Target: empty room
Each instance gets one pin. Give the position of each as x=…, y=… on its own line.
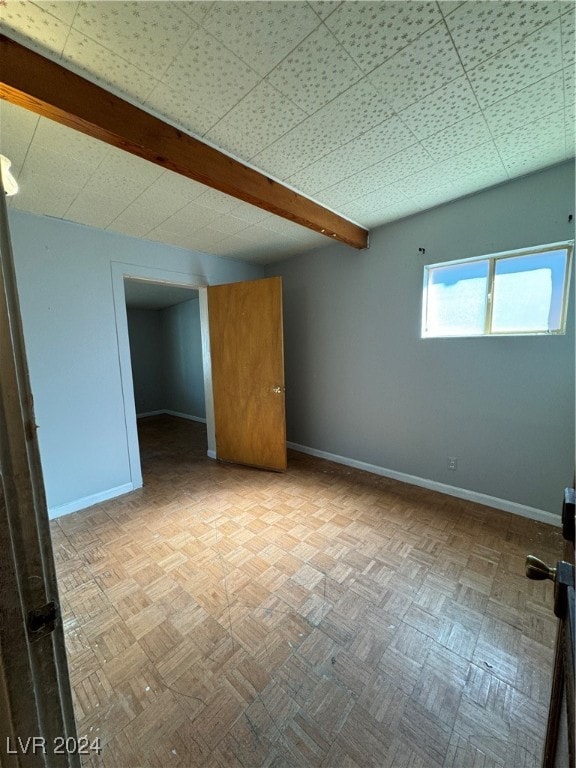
x=287, y=390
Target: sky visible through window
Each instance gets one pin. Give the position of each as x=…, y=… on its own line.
x=457, y=299
x=527, y=295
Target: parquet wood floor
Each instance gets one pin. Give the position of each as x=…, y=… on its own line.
x=225, y=617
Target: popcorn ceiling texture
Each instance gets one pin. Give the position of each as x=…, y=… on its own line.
x=375, y=109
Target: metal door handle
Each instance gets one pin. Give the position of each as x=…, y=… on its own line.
x=537, y=569
x=277, y=390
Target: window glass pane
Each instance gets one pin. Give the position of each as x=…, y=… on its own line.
x=528, y=292
x=456, y=299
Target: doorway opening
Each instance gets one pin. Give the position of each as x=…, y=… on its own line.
x=165, y=340
x=141, y=281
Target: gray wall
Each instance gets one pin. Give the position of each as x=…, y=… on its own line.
x=64, y=274
x=361, y=384
x=145, y=332
x=166, y=355
x=360, y=381
x=183, y=372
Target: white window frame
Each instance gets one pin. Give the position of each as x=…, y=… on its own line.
x=492, y=258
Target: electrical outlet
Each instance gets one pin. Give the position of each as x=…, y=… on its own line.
x=452, y=463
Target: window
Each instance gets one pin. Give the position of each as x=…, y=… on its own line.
x=513, y=293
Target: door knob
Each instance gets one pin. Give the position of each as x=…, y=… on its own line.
x=537, y=569
x=277, y=390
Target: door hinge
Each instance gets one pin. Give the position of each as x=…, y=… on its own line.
x=42, y=621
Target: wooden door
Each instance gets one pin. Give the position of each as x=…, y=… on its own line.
x=247, y=353
x=35, y=693
x=560, y=745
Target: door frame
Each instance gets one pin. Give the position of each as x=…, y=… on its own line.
x=121, y=271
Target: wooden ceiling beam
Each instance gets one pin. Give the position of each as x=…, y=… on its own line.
x=36, y=83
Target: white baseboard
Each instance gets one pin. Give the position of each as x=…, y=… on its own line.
x=89, y=501
x=171, y=413
x=450, y=490
x=186, y=416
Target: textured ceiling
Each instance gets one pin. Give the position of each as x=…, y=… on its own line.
x=375, y=109
x=142, y=294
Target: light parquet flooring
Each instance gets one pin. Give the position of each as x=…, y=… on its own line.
x=224, y=617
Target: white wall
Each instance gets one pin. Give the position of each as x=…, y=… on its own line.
x=66, y=273
x=166, y=355
x=361, y=384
